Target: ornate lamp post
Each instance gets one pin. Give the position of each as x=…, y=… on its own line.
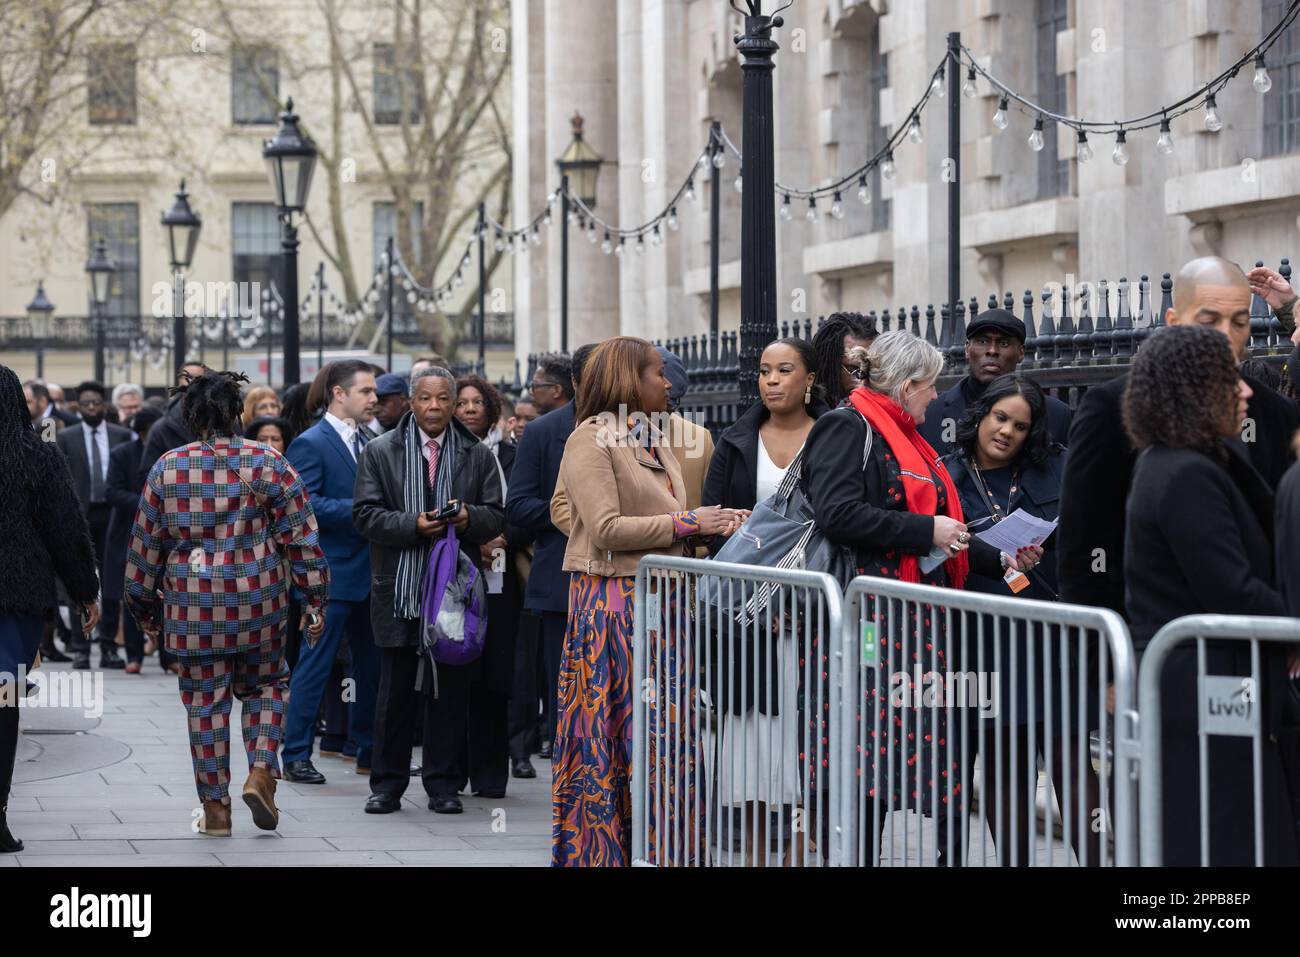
x=100, y=269
x=183, y=226
x=291, y=160
x=39, y=311
x=579, y=170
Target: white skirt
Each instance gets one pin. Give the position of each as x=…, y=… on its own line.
x=759, y=755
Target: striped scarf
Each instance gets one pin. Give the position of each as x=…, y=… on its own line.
x=411, y=563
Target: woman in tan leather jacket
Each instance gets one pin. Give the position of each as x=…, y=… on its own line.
x=626, y=500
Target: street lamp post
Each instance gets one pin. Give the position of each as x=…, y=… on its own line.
x=758, y=217
x=579, y=170
x=39, y=311
x=291, y=160
x=183, y=226
x=100, y=269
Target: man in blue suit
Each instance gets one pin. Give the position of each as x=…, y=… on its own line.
x=326, y=458
x=528, y=505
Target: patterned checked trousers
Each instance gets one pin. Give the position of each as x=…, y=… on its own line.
x=259, y=678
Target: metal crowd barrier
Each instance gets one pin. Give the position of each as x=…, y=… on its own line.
x=717, y=779
x=1222, y=740
x=976, y=730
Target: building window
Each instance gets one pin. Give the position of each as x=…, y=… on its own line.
x=118, y=224
x=388, y=92
x=110, y=83
x=1282, y=103
x=1052, y=16
x=254, y=85
x=878, y=134
x=385, y=225
x=255, y=247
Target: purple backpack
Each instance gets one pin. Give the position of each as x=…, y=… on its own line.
x=453, y=619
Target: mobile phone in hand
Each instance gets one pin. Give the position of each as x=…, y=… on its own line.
x=448, y=512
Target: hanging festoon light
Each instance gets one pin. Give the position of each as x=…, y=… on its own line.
x=690, y=190
x=1213, y=122
x=914, y=130
x=1119, y=156
x=704, y=161
x=887, y=169
x=785, y=209
x=500, y=243
x=1165, y=142
x=673, y=224
x=937, y=86
x=968, y=88
x=719, y=158
x=1084, y=151
x=864, y=191
x=1262, y=82
x=537, y=236
x=656, y=237
x=607, y=246
x=591, y=233
x=739, y=184
x=640, y=244
x=811, y=214
x=1036, y=137
x=1000, y=118
x=618, y=250
x=837, y=207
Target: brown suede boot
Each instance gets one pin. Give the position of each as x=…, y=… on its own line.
x=259, y=795
x=216, y=819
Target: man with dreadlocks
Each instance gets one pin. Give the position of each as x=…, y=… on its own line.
x=838, y=333
x=217, y=519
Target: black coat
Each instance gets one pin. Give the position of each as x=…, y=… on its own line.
x=732, y=481
x=1090, y=538
x=381, y=518
x=945, y=412
x=123, y=495
x=43, y=535
x=72, y=443
x=169, y=432
x=528, y=506
x=1198, y=541
x=1286, y=532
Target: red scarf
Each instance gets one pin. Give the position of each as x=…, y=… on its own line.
x=915, y=459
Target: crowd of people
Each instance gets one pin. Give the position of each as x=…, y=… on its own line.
x=275, y=547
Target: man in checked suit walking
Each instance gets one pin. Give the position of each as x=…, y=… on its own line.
x=326, y=458
x=86, y=446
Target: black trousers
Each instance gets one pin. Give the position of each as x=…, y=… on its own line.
x=553, y=625
x=528, y=697
x=110, y=609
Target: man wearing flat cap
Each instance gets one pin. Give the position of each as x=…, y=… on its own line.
x=390, y=391
x=995, y=346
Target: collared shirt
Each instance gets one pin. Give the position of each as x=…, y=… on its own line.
x=438, y=440
x=98, y=435
x=346, y=432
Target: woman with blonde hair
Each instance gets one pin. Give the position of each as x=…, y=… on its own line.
x=627, y=500
x=260, y=401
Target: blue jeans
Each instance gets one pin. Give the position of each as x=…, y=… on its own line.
x=344, y=621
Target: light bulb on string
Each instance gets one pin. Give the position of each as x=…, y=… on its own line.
x=1262, y=82
x=690, y=190
x=739, y=184
x=837, y=207
x=1084, y=151
x=537, y=236
x=1165, y=143
x=573, y=216
x=640, y=244
x=500, y=243
x=1213, y=122
x=887, y=169
x=704, y=160
x=546, y=217
x=410, y=297
x=607, y=246
x=914, y=130
x=719, y=158
x=864, y=191
x=618, y=250
x=591, y=234
x=968, y=88
x=937, y=86
x=1120, y=156
x=673, y=224
x=1000, y=118
x=811, y=214
x=1036, y=137
x=785, y=208
x=656, y=237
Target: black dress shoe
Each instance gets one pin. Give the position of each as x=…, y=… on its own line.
x=303, y=772
x=523, y=769
x=447, y=804
x=52, y=654
x=382, y=804
x=544, y=752
x=81, y=661
x=111, y=661
x=492, y=793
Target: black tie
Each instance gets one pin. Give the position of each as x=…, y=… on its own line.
x=358, y=442
x=96, y=468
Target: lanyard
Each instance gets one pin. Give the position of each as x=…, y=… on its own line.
x=996, y=514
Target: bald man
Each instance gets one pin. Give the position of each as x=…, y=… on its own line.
x=1090, y=538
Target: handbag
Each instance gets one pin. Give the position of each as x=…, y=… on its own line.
x=453, y=612
x=782, y=532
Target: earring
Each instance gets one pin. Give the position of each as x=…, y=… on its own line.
x=807, y=396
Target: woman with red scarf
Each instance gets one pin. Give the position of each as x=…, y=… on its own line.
x=899, y=507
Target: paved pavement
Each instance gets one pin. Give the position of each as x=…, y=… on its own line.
x=118, y=790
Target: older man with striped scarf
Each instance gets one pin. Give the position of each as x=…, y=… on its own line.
x=405, y=479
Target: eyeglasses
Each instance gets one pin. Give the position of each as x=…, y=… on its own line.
x=851, y=369
x=535, y=385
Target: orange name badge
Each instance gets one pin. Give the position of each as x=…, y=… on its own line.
x=1016, y=581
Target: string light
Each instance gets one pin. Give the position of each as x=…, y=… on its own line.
x=719, y=158
x=937, y=85
x=914, y=130
x=607, y=246
x=1084, y=150
x=887, y=167
x=690, y=190
x=864, y=191
x=618, y=250
x=785, y=208
x=1165, y=144
x=1000, y=118
x=1120, y=156
x=1213, y=122
x=739, y=184
x=672, y=219
x=1036, y=137
x=1262, y=82
x=656, y=237
x=968, y=88
x=837, y=207
x=811, y=215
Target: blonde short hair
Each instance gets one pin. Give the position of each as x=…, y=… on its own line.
x=895, y=359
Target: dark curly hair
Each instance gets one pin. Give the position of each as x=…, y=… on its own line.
x=1181, y=391
x=281, y=423
x=213, y=403
x=1038, y=443
x=828, y=345
x=490, y=396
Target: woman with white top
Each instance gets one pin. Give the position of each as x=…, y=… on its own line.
x=758, y=761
